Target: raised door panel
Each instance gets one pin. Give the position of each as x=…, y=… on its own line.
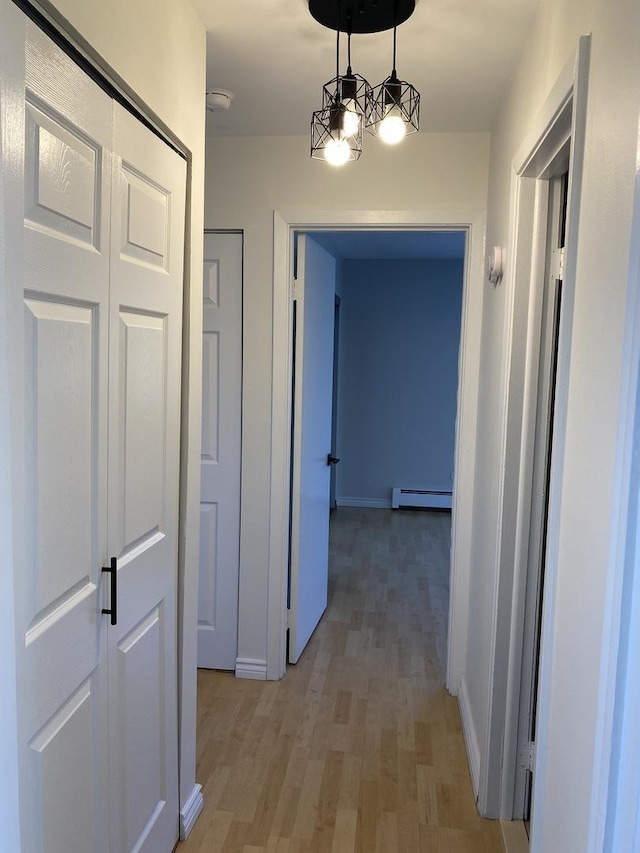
x=62, y=178
x=220, y=460
x=208, y=565
x=60, y=590
x=143, y=367
x=60, y=346
x=211, y=398
x=145, y=222
x=60, y=412
x=145, y=346
x=143, y=789
x=64, y=767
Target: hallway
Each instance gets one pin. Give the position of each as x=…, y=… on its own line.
x=359, y=747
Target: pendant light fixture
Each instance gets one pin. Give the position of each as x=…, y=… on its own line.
x=395, y=105
x=337, y=128
x=349, y=104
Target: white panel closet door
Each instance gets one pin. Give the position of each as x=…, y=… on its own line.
x=315, y=305
x=221, y=443
x=60, y=412
x=95, y=409
x=148, y=205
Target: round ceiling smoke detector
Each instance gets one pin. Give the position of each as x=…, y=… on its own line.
x=219, y=100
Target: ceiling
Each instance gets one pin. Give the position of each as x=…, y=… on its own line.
x=275, y=57
x=392, y=245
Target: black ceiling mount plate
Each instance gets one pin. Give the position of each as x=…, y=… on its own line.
x=361, y=16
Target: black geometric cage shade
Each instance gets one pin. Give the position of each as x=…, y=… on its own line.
x=335, y=137
x=349, y=89
x=394, y=102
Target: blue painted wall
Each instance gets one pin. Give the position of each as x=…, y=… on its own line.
x=398, y=375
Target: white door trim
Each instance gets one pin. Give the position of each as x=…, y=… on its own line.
x=473, y=222
x=561, y=118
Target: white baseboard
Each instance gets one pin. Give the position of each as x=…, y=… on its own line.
x=470, y=737
x=251, y=668
x=367, y=503
x=190, y=812
x=514, y=836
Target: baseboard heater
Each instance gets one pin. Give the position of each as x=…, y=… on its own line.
x=426, y=498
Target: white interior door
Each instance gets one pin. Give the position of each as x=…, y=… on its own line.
x=148, y=206
x=60, y=425
x=221, y=447
x=314, y=295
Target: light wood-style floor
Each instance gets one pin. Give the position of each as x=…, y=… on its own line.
x=359, y=747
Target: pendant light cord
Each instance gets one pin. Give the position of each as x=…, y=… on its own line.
x=338, y=4
x=394, y=51
x=395, y=29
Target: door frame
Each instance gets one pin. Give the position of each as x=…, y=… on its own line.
x=285, y=224
x=561, y=119
x=546, y=300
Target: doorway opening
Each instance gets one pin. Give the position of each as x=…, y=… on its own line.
x=285, y=227
x=401, y=299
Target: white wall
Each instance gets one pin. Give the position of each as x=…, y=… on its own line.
x=158, y=49
x=398, y=376
x=247, y=178
x=575, y=637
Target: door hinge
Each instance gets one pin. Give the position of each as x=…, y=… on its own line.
x=527, y=755
x=289, y=619
x=558, y=260
x=296, y=290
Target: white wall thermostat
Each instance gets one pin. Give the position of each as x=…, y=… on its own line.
x=496, y=264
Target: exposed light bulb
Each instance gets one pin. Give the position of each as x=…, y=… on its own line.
x=392, y=128
x=351, y=119
x=337, y=152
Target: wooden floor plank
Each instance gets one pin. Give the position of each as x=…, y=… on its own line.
x=359, y=748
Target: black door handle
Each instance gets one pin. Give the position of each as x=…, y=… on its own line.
x=332, y=460
x=113, y=610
